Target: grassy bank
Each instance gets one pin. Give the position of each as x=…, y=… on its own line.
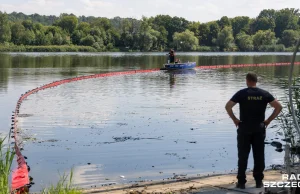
x=63, y=186
x=6, y=158
x=73, y=48
x=64, y=48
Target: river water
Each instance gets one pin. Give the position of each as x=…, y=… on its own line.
x=131, y=128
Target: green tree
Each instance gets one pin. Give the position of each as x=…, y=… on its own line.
x=224, y=21
x=87, y=41
x=5, y=32
x=148, y=37
x=240, y=24
x=115, y=37
x=49, y=38
x=263, y=23
x=100, y=46
x=54, y=30
x=40, y=38
x=38, y=27
x=171, y=24
x=214, y=31
x=286, y=19
x=267, y=13
x=28, y=38
x=194, y=27
x=17, y=32
x=57, y=39
x=28, y=24
x=225, y=38
x=68, y=23
x=162, y=38
x=185, y=41
x=244, y=42
x=76, y=36
x=84, y=27
x=290, y=37
x=261, y=38
x=101, y=23
x=204, y=34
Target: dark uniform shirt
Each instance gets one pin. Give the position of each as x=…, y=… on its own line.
x=172, y=57
x=253, y=103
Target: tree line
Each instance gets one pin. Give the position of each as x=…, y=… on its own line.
x=271, y=30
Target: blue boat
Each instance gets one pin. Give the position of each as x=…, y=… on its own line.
x=181, y=71
x=174, y=66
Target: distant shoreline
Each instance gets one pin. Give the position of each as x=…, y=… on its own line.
x=89, y=49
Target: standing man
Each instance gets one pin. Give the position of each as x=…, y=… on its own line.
x=172, y=56
x=252, y=127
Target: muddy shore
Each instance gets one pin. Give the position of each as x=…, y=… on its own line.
x=213, y=184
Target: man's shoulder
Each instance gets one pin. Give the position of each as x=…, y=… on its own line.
x=242, y=90
x=263, y=91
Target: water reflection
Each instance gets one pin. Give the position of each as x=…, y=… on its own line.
x=119, y=124
x=174, y=73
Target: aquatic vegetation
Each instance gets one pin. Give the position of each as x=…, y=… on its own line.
x=64, y=186
x=285, y=118
x=6, y=159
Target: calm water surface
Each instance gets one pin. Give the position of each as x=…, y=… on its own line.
x=143, y=127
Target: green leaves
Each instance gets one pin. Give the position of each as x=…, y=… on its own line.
x=225, y=39
x=68, y=23
x=5, y=32
x=290, y=37
x=185, y=41
x=244, y=42
x=272, y=30
x=261, y=38
x=6, y=159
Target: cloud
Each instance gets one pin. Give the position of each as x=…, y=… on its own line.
x=34, y=6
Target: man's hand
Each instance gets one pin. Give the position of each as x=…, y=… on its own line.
x=236, y=122
x=277, y=108
x=267, y=122
x=228, y=107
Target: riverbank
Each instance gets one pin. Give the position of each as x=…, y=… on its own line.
x=63, y=48
x=75, y=48
x=214, y=184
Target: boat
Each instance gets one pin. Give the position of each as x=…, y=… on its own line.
x=176, y=66
x=181, y=71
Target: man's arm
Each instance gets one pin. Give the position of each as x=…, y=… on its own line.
x=277, y=108
x=230, y=104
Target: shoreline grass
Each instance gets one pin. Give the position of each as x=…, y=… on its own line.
x=76, y=48
x=63, y=186
x=63, y=48
x=6, y=159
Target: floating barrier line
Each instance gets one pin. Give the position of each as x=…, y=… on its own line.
x=20, y=176
x=245, y=65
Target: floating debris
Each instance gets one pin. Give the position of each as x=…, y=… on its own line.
x=276, y=144
x=288, y=140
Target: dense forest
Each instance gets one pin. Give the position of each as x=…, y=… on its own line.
x=271, y=30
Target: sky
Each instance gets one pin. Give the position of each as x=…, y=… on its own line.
x=192, y=10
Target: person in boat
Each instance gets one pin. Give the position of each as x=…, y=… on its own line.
x=171, y=56
x=251, y=127
x=177, y=61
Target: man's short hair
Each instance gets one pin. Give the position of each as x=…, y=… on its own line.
x=252, y=77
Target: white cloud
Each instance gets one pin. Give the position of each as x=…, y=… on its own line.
x=35, y=6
